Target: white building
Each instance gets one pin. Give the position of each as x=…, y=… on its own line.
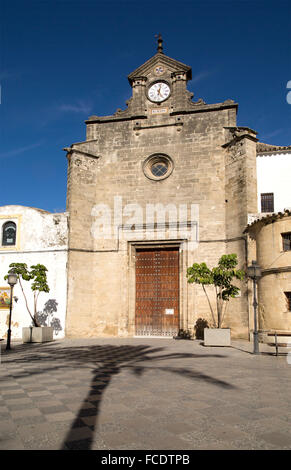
x=273, y=178
x=34, y=236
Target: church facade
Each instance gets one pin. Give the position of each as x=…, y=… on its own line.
x=168, y=182
x=154, y=188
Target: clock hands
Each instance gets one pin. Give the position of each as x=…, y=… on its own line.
x=159, y=92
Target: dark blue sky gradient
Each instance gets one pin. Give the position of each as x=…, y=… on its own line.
x=62, y=61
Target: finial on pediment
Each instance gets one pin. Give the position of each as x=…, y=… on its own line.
x=160, y=43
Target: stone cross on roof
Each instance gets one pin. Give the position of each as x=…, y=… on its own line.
x=160, y=43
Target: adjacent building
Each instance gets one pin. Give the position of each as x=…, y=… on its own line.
x=272, y=235
x=273, y=178
x=33, y=236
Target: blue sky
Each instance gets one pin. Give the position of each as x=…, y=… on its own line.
x=62, y=61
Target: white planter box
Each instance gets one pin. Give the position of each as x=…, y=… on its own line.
x=216, y=336
x=35, y=334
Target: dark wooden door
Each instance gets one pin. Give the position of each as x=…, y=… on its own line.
x=157, y=292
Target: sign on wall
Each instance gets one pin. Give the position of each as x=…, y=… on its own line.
x=169, y=311
x=4, y=297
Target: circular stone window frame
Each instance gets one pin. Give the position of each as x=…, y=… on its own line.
x=152, y=160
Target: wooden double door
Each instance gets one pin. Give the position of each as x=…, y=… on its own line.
x=157, y=292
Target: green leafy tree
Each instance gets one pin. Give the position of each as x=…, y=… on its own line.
x=221, y=277
x=36, y=274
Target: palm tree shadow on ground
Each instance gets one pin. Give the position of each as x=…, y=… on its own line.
x=110, y=361
x=126, y=357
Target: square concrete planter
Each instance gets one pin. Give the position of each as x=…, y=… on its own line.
x=37, y=334
x=216, y=336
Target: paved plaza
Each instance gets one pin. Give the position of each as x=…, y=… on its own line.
x=143, y=393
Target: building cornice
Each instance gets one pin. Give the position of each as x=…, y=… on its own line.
x=270, y=218
x=268, y=149
x=161, y=59
x=283, y=269
x=71, y=150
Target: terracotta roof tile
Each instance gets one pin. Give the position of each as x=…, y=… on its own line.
x=268, y=218
x=263, y=148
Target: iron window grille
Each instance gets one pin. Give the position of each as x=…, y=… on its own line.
x=288, y=300
x=159, y=168
x=286, y=239
x=9, y=234
x=267, y=202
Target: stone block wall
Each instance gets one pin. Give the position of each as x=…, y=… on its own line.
x=213, y=170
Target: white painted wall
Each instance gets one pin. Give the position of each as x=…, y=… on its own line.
x=274, y=176
x=41, y=238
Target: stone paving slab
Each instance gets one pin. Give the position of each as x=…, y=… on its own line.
x=135, y=393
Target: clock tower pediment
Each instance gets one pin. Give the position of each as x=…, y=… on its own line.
x=161, y=82
x=159, y=65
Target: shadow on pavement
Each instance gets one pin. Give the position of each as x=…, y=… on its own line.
x=106, y=361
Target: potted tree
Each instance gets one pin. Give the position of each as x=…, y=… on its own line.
x=220, y=277
x=37, y=274
x=199, y=327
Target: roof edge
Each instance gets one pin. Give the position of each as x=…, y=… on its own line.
x=159, y=56
x=269, y=149
x=267, y=219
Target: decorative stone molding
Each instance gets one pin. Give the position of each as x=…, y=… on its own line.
x=160, y=60
x=152, y=161
x=178, y=76
x=139, y=81
x=235, y=137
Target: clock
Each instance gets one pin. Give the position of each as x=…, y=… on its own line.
x=159, y=91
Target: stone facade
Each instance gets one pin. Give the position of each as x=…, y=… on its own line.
x=41, y=238
x=275, y=261
x=213, y=171
x=165, y=173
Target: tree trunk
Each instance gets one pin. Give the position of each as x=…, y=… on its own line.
x=224, y=304
x=211, y=309
x=30, y=314
x=219, y=308
x=35, y=295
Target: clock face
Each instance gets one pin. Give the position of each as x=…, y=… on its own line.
x=158, y=92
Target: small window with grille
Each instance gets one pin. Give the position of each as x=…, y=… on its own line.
x=288, y=300
x=267, y=202
x=9, y=234
x=286, y=239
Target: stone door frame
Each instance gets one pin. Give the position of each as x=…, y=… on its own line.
x=183, y=285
